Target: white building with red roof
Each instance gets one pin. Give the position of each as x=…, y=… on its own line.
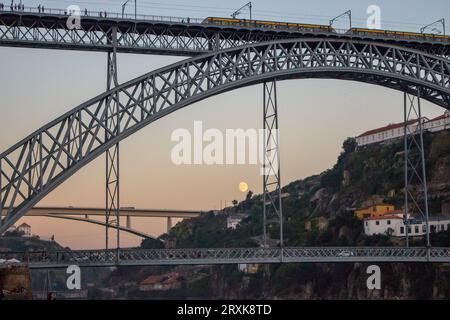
x=392, y=224
x=396, y=130
x=25, y=228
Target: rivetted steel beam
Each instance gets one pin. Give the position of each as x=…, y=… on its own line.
x=272, y=204
x=112, y=123
x=415, y=177
x=166, y=90
x=167, y=36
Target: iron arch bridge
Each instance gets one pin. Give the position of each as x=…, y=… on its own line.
x=36, y=165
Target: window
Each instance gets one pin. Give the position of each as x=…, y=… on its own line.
x=377, y=223
x=402, y=230
x=389, y=222
x=409, y=230
x=416, y=229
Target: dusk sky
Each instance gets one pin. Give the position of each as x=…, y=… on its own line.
x=316, y=116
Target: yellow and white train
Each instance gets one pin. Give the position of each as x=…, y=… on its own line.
x=322, y=28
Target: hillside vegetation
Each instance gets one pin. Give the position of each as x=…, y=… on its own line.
x=360, y=177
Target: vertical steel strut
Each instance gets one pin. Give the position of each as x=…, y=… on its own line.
x=414, y=164
x=112, y=154
x=272, y=207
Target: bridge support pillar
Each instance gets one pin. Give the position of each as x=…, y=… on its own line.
x=112, y=120
x=1, y=195
x=169, y=223
x=128, y=222
x=272, y=206
x=415, y=192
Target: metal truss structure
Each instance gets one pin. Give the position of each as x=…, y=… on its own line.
x=272, y=206
x=39, y=163
x=414, y=166
x=112, y=123
x=166, y=35
x=149, y=257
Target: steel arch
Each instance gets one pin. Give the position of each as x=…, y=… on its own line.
x=39, y=163
x=102, y=223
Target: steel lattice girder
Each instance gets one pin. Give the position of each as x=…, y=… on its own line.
x=162, y=37
x=192, y=256
x=39, y=163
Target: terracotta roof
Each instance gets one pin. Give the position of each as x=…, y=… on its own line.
x=393, y=212
x=385, y=217
x=399, y=125
x=165, y=279
x=152, y=280
x=24, y=225
x=444, y=116
x=386, y=128
x=374, y=205
x=171, y=280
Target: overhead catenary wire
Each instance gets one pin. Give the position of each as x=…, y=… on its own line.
x=205, y=10
x=258, y=13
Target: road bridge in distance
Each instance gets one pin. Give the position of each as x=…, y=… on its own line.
x=84, y=213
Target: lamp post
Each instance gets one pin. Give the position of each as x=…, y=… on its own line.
x=135, y=8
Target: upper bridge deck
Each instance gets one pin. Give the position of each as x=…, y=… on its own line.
x=183, y=36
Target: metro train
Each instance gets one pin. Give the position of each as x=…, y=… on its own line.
x=267, y=24
x=322, y=28
x=397, y=34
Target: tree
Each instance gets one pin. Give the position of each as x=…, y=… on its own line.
x=150, y=243
x=249, y=195
x=235, y=203
x=349, y=145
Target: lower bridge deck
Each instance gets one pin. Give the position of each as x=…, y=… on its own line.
x=161, y=257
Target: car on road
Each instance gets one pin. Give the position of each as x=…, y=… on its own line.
x=346, y=253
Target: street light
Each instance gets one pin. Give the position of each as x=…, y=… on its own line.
x=135, y=8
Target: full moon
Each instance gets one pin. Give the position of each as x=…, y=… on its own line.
x=243, y=187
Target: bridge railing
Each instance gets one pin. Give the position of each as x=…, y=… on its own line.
x=104, y=14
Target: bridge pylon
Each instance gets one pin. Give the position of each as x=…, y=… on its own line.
x=272, y=206
x=112, y=125
x=415, y=182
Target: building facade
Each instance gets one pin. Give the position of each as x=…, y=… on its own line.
x=374, y=211
x=393, y=225
x=395, y=131
x=234, y=220
x=25, y=228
